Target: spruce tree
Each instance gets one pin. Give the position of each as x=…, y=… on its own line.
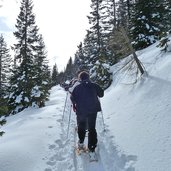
x=89, y=51
x=166, y=14
x=108, y=24
x=55, y=75
x=26, y=51
x=61, y=78
x=146, y=23
x=117, y=41
x=122, y=14
x=5, y=67
x=169, y=14
x=95, y=30
x=167, y=23
x=40, y=91
x=80, y=62
x=69, y=71
x=95, y=45
x=119, y=45
x=5, y=72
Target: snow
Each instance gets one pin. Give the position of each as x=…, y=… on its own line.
x=19, y=98
x=135, y=134
x=36, y=92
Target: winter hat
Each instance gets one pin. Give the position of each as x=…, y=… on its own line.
x=84, y=75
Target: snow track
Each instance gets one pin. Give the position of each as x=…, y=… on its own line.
x=109, y=158
x=36, y=140
x=82, y=160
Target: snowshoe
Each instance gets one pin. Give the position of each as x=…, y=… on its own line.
x=81, y=148
x=92, y=156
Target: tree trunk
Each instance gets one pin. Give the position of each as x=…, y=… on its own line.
x=114, y=13
x=0, y=73
x=132, y=50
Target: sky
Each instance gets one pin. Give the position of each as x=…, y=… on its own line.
x=134, y=127
x=63, y=25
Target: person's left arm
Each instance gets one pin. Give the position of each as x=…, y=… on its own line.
x=100, y=91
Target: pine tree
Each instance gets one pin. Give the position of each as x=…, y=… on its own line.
x=5, y=72
x=55, y=80
x=146, y=23
x=108, y=24
x=94, y=33
x=167, y=23
x=107, y=17
x=95, y=44
x=42, y=81
x=122, y=14
x=166, y=14
x=5, y=66
x=69, y=71
x=61, y=78
x=26, y=52
x=89, y=51
x=169, y=14
x=80, y=60
x=119, y=45
x=116, y=41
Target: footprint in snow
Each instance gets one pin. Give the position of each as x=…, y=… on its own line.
x=47, y=169
x=52, y=146
x=57, y=157
x=51, y=163
x=60, y=143
x=59, y=120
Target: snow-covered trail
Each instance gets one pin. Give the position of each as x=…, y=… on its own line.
x=80, y=163
x=109, y=158
x=36, y=140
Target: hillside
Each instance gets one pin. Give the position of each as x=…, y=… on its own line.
x=136, y=135
x=138, y=115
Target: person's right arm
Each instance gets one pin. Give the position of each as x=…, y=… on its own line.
x=73, y=101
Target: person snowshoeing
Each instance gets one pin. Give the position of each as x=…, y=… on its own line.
x=86, y=104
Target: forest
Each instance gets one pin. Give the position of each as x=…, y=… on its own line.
x=117, y=29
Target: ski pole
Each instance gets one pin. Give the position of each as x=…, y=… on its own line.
x=103, y=121
x=102, y=118
x=69, y=121
x=65, y=106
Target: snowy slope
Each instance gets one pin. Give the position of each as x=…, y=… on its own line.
x=139, y=115
x=136, y=135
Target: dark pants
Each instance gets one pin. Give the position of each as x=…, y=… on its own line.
x=88, y=123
